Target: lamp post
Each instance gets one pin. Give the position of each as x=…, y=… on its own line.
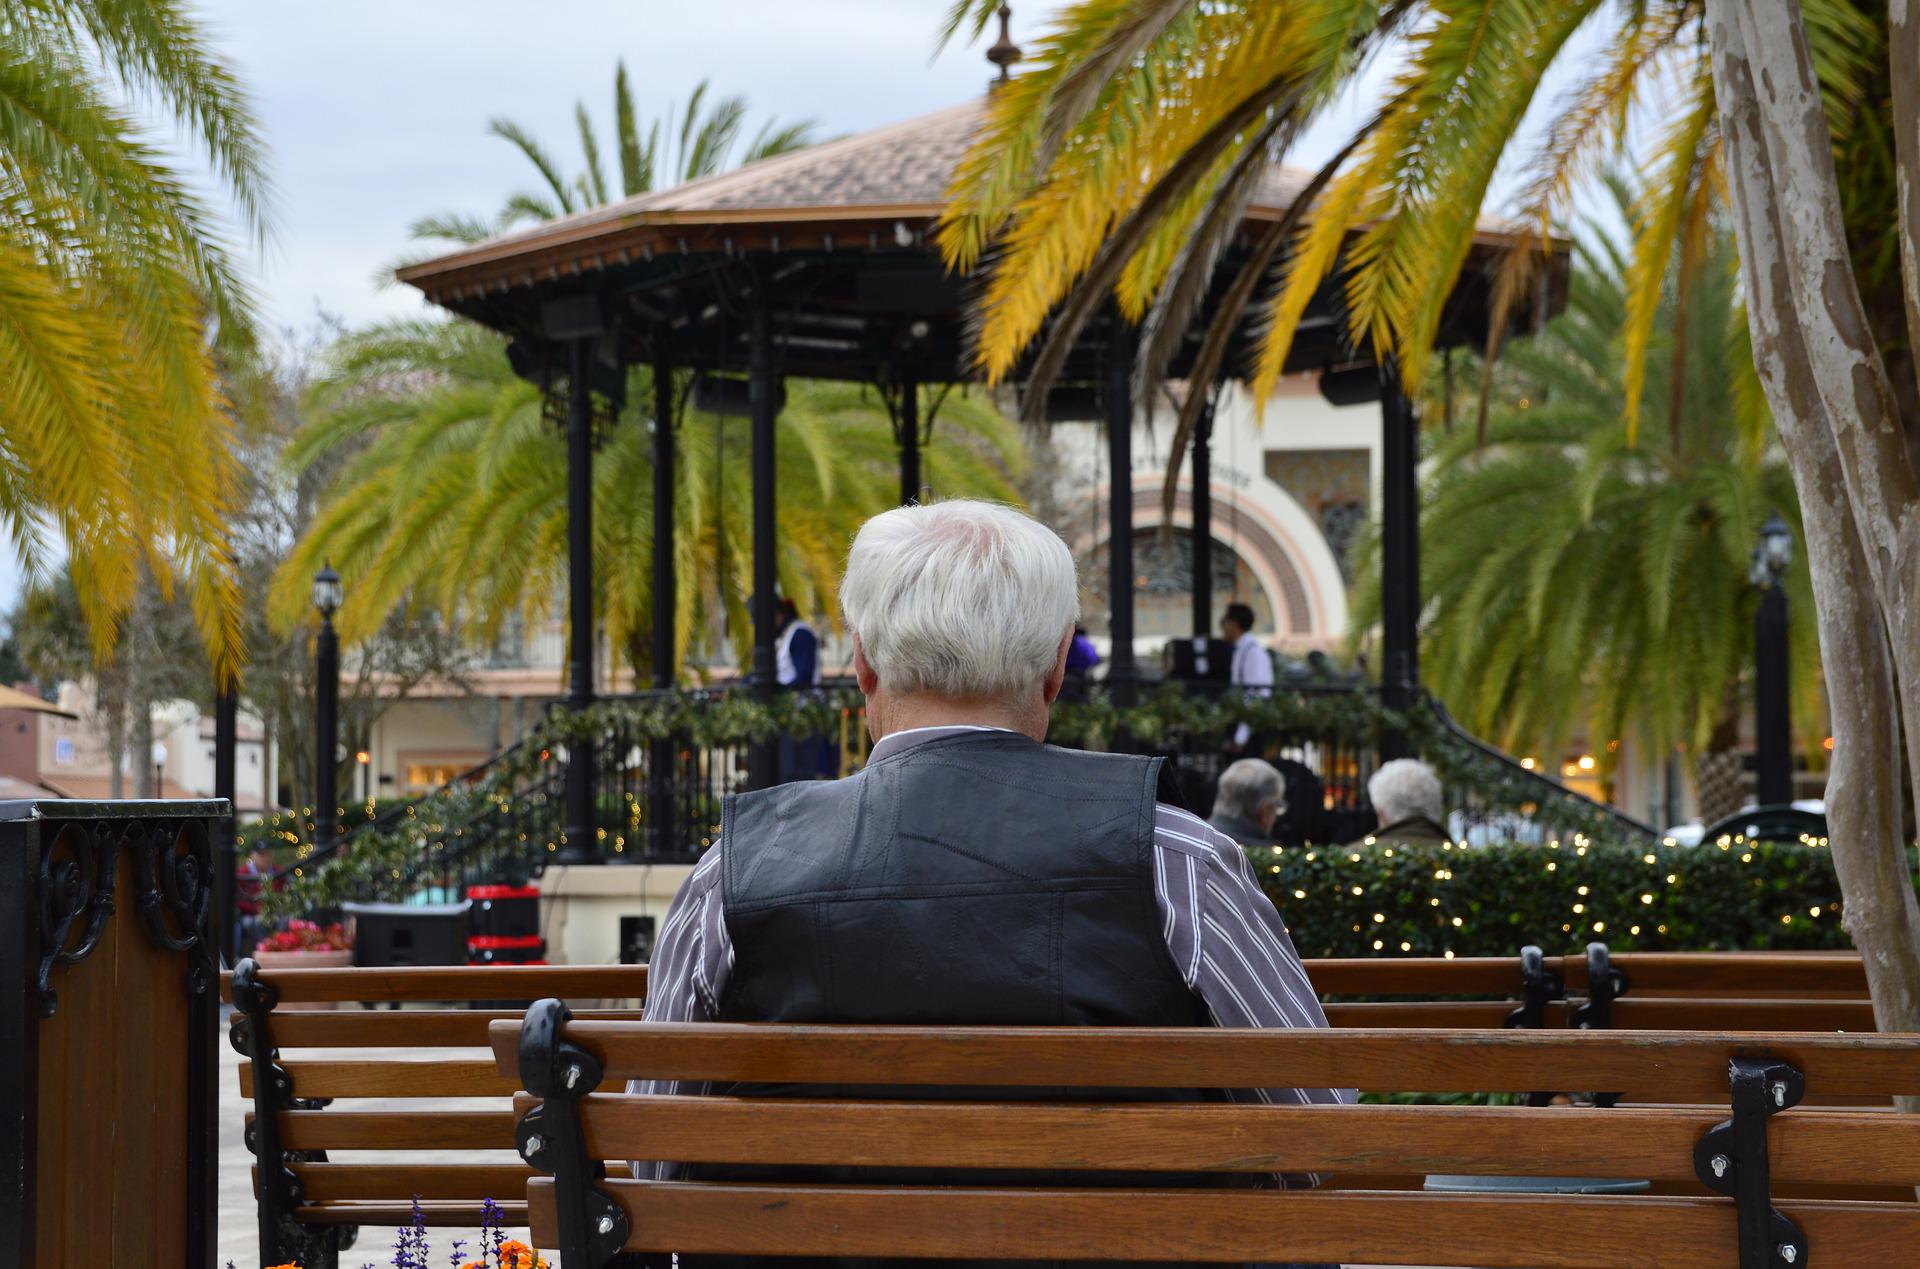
x=1772, y=712
x=327, y=594
x=159, y=756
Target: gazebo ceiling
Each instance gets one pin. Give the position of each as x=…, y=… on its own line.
x=838, y=237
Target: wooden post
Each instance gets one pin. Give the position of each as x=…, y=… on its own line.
x=109, y=1005
x=226, y=741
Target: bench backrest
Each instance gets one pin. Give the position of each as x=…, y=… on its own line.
x=581, y=1120
x=437, y=1087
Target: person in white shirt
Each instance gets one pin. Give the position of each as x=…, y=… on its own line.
x=1252, y=663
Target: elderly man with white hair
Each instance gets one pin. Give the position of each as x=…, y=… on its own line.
x=971, y=874
x=1252, y=794
x=1406, y=796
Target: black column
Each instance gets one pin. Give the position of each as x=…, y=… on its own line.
x=326, y=755
x=1400, y=553
x=583, y=842
x=1122, y=672
x=763, y=765
x=660, y=760
x=1772, y=712
x=1203, y=520
x=664, y=618
x=226, y=717
x=909, y=442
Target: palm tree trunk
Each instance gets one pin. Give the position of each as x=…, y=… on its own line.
x=116, y=722
x=141, y=747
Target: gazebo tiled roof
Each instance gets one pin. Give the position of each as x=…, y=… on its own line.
x=897, y=172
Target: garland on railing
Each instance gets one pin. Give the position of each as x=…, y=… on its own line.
x=1170, y=716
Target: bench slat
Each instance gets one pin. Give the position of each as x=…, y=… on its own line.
x=1433, y=1013
x=1835, y=1148
x=404, y=1029
x=396, y=1129
x=1391, y=1227
x=1646, y=1065
x=401, y=1182
x=1730, y=973
x=454, y=982
x=1682, y=1014
x=1417, y=976
x=460, y=1214
x=444, y=1077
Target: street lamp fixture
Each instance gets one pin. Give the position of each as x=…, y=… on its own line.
x=328, y=594
x=1773, y=554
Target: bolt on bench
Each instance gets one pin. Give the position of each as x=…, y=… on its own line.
x=1731, y=1131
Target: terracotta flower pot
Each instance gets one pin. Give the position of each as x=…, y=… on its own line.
x=304, y=960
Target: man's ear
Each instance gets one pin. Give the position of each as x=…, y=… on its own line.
x=1057, y=676
x=864, y=675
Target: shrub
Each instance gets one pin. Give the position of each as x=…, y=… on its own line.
x=1494, y=900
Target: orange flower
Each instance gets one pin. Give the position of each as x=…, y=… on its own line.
x=515, y=1254
x=291, y=1264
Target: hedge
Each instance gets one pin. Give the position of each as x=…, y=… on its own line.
x=1494, y=900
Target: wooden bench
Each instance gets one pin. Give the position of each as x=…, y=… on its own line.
x=318, y=1200
x=1731, y=1147
x=309, y=1204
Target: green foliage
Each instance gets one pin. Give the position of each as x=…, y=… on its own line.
x=452, y=491
x=1576, y=570
x=455, y=820
x=120, y=305
x=1732, y=895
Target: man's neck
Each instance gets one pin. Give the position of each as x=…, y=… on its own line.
x=887, y=714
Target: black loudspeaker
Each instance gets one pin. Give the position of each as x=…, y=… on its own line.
x=636, y=939
x=1201, y=660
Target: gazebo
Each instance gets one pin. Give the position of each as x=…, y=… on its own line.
x=820, y=264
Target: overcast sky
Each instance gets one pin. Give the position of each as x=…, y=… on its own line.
x=376, y=113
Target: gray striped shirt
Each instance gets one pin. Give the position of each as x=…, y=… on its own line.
x=1224, y=933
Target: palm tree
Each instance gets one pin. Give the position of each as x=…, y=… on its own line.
x=700, y=144
x=1122, y=159
x=120, y=307
x=453, y=493
x=453, y=489
x=1571, y=569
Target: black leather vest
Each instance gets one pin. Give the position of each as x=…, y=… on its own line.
x=980, y=879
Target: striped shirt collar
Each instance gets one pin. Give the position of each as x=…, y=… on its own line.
x=897, y=741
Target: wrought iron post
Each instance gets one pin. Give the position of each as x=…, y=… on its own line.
x=1400, y=553
x=1772, y=701
x=660, y=759
x=909, y=442
x=326, y=755
x=763, y=766
x=1203, y=520
x=1122, y=672
x=582, y=844
x=226, y=718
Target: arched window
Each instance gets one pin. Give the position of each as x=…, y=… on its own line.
x=1163, y=585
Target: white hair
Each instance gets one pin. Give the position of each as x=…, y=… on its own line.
x=1248, y=784
x=1404, y=788
x=960, y=598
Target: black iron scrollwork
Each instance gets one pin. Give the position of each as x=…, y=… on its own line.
x=76, y=891
x=176, y=882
